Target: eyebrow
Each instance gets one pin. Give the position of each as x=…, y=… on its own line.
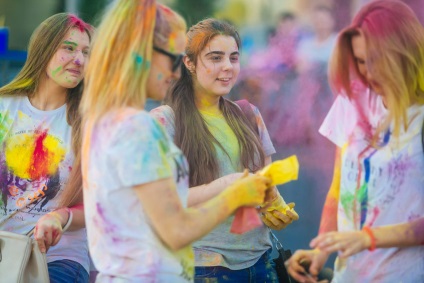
x=221, y=53
x=70, y=42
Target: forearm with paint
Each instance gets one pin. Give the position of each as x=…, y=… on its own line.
x=400, y=235
x=329, y=211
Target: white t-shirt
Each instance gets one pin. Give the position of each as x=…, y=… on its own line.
x=129, y=148
x=35, y=161
x=379, y=187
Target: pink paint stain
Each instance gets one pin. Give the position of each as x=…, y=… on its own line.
x=78, y=23
x=375, y=213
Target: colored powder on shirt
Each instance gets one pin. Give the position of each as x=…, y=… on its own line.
x=34, y=155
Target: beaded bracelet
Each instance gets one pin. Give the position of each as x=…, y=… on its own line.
x=369, y=232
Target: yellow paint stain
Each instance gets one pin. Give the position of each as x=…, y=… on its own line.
x=20, y=156
x=24, y=83
x=186, y=259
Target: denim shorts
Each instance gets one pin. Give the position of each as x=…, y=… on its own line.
x=261, y=272
x=67, y=271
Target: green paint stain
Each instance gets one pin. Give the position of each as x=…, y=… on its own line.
x=347, y=200
x=5, y=125
x=56, y=70
x=70, y=43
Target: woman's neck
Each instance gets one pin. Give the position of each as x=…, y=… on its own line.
x=48, y=96
x=207, y=103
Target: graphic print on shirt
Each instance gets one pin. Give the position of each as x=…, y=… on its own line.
x=29, y=166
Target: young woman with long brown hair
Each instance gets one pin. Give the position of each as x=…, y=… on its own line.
x=135, y=178
x=219, y=142
x=39, y=139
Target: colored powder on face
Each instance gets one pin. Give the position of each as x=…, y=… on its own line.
x=160, y=76
x=32, y=156
x=56, y=70
x=70, y=42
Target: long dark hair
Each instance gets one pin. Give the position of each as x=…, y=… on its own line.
x=191, y=132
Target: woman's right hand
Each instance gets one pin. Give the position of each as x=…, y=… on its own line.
x=48, y=231
x=250, y=190
x=313, y=259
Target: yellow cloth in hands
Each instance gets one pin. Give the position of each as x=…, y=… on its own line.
x=282, y=171
x=280, y=205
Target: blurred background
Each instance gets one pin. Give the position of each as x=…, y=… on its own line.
x=286, y=47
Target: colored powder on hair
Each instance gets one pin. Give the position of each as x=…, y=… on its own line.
x=171, y=41
x=138, y=61
x=24, y=83
x=78, y=23
x=167, y=10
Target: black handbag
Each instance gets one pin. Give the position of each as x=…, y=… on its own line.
x=283, y=255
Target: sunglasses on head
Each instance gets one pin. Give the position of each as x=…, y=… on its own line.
x=176, y=58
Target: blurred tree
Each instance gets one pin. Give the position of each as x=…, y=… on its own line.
x=194, y=10
x=91, y=10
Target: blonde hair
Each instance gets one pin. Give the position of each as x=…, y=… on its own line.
x=121, y=55
x=395, y=57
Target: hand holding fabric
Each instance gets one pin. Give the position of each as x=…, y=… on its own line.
x=278, y=215
x=279, y=172
x=250, y=190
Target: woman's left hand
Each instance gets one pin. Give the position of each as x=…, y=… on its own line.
x=48, y=231
x=347, y=243
x=278, y=219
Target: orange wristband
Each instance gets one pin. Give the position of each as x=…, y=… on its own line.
x=367, y=230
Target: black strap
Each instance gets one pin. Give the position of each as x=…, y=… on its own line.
x=283, y=256
x=248, y=112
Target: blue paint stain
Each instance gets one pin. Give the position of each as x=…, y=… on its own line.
x=367, y=168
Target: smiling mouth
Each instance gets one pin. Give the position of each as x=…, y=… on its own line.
x=75, y=72
x=223, y=79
